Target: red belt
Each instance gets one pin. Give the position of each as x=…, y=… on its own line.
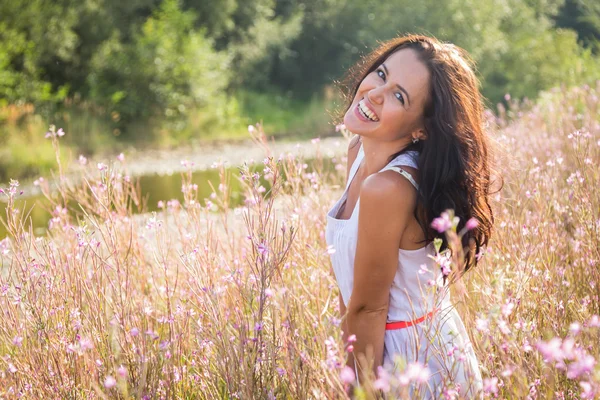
x=406, y=324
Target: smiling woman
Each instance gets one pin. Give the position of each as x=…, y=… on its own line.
x=419, y=149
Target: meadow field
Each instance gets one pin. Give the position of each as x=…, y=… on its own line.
x=204, y=301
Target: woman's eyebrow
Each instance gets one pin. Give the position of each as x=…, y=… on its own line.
x=399, y=87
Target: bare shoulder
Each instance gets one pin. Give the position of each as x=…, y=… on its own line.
x=389, y=193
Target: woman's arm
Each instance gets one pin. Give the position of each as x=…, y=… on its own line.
x=387, y=201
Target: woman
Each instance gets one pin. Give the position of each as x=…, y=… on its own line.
x=419, y=149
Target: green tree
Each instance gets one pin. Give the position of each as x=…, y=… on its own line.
x=166, y=70
x=36, y=38
x=583, y=16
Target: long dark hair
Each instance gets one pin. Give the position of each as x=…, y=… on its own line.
x=454, y=160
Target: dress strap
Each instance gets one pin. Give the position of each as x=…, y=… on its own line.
x=355, y=165
x=406, y=175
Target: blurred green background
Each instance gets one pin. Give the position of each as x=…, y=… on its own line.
x=162, y=73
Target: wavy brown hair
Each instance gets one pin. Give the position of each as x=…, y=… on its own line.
x=454, y=160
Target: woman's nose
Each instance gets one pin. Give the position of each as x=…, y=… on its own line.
x=375, y=95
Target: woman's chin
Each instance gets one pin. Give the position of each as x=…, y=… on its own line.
x=353, y=125
x=357, y=128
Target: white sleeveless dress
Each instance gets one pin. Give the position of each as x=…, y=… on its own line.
x=441, y=342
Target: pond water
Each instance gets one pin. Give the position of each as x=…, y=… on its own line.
x=155, y=188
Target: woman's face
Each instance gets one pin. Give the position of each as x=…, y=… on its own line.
x=395, y=94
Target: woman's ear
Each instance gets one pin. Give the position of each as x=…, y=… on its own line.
x=420, y=134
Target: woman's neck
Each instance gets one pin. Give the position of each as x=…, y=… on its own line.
x=377, y=153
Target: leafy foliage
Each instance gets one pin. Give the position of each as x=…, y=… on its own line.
x=167, y=69
x=181, y=66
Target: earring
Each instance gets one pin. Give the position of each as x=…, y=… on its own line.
x=415, y=140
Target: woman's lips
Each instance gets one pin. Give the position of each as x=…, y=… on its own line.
x=359, y=115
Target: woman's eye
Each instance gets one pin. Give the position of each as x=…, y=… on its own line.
x=400, y=97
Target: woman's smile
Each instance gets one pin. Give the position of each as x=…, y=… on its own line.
x=364, y=113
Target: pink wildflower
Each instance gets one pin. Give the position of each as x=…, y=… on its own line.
x=581, y=367
x=442, y=223
x=347, y=375
x=587, y=390
x=17, y=341
x=417, y=372
x=122, y=371
x=262, y=249
x=472, y=223
x=490, y=385
x=110, y=382
x=383, y=381
x=482, y=325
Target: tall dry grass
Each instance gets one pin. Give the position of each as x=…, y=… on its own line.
x=204, y=301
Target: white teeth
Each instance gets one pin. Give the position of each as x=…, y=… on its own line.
x=366, y=112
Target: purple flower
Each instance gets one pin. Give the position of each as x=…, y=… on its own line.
x=262, y=249
x=587, y=390
x=347, y=375
x=340, y=127
x=122, y=371
x=417, y=372
x=86, y=344
x=581, y=367
x=482, y=325
x=383, y=381
x=490, y=385
x=555, y=349
x=109, y=382
x=444, y=261
x=507, y=308
x=442, y=223
x=52, y=132
x=472, y=223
